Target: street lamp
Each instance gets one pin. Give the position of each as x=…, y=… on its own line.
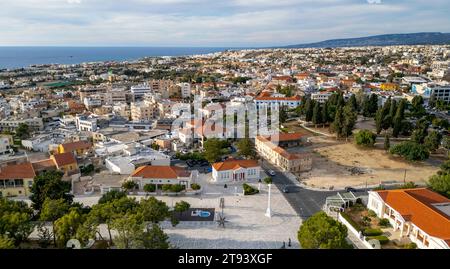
x=269, y=211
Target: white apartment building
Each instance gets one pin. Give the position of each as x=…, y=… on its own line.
x=185, y=90
x=277, y=100
x=139, y=91
x=11, y=124
x=92, y=101
x=86, y=123
x=321, y=97
x=441, y=92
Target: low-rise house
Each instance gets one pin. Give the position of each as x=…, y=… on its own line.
x=419, y=214
x=66, y=163
x=127, y=163
x=162, y=175
x=235, y=171
x=79, y=148
x=16, y=180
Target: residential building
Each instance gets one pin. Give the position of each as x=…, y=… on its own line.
x=277, y=100
x=86, y=123
x=66, y=163
x=139, y=91
x=441, y=92
x=420, y=214
x=142, y=112
x=16, y=180
x=6, y=142
x=78, y=148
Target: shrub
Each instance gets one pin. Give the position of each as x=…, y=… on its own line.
x=195, y=186
x=373, y=232
x=351, y=221
x=268, y=180
x=384, y=223
x=410, y=246
x=249, y=190
x=166, y=187
x=411, y=151
x=150, y=188
x=365, y=138
x=129, y=185
x=177, y=188
x=382, y=238
x=366, y=221
x=371, y=213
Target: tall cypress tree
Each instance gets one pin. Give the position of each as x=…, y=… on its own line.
x=338, y=123
x=316, y=118
x=325, y=116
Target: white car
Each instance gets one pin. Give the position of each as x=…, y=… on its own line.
x=272, y=173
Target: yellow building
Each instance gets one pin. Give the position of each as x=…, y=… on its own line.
x=389, y=86
x=16, y=180
x=78, y=148
x=66, y=163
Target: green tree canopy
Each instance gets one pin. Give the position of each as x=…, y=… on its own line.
x=153, y=210
x=15, y=220
x=365, y=138
x=246, y=148
x=322, y=232
x=49, y=185
x=411, y=151
x=111, y=196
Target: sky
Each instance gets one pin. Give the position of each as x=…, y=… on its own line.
x=211, y=23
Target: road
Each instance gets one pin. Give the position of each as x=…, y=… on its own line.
x=305, y=202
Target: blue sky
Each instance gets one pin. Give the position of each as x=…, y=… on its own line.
x=234, y=23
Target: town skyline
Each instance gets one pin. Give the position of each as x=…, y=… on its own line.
x=193, y=23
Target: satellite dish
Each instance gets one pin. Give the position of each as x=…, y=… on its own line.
x=73, y=244
x=375, y=244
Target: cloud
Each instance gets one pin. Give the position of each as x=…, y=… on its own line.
x=211, y=23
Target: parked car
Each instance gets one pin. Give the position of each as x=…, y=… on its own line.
x=271, y=172
x=350, y=189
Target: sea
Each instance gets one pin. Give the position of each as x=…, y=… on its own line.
x=22, y=57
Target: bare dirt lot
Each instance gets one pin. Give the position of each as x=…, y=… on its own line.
x=341, y=164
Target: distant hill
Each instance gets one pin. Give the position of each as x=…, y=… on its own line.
x=382, y=40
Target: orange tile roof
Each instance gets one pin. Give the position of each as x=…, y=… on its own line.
x=283, y=137
x=417, y=206
x=234, y=164
x=64, y=159
x=17, y=171
x=285, y=154
x=166, y=172
x=264, y=97
x=76, y=145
